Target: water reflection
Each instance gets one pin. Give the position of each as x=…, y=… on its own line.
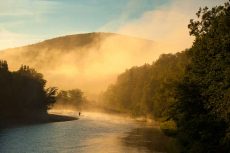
x=151, y=139
x=90, y=134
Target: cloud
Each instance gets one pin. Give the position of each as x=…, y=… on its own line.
x=11, y=39
x=166, y=25
x=167, y=28
x=125, y=14
x=26, y=7
x=18, y=15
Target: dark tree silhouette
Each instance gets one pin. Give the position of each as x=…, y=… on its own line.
x=23, y=94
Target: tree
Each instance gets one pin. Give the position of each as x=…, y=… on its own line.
x=23, y=94
x=70, y=99
x=202, y=110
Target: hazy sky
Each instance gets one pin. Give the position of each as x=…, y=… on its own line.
x=29, y=21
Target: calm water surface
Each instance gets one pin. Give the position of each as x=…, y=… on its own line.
x=92, y=133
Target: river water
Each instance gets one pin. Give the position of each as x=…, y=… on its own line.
x=92, y=133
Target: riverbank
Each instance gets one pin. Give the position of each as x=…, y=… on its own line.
x=40, y=119
x=61, y=118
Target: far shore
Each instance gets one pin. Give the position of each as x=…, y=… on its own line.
x=49, y=118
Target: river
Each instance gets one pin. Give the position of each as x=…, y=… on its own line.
x=91, y=133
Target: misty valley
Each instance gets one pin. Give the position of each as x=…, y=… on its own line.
x=105, y=92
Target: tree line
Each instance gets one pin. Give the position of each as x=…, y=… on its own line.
x=147, y=90
x=70, y=99
x=25, y=98
x=190, y=88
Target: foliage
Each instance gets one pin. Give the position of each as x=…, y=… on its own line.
x=169, y=127
x=202, y=110
x=70, y=98
x=23, y=93
x=147, y=90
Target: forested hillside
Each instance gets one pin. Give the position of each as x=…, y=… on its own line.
x=147, y=90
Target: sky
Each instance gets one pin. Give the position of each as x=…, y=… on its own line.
x=29, y=21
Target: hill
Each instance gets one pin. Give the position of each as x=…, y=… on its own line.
x=88, y=61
